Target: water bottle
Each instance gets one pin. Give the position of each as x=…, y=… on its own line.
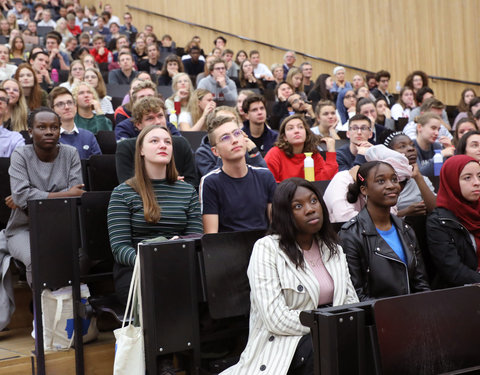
x=398, y=87
x=437, y=162
x=55, y=75
x=173, y=118
x=308, y=167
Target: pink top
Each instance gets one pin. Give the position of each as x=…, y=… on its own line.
x=314, y=260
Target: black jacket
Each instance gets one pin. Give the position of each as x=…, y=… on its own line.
x=451, y=249
x=375, y=269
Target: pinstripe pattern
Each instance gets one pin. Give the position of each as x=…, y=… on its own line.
x=180, y=215
x=279, y=292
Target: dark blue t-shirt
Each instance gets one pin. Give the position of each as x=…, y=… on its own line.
x=240, y=203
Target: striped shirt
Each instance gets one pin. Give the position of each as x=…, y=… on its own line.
x=179, y=215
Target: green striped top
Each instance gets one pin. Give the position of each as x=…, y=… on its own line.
x=180, y=215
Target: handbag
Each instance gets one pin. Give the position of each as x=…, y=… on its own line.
x=129, y=345
x=57, y=318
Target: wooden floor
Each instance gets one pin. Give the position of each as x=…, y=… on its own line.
x=17, y=346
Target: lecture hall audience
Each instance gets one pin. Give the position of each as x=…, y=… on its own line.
x=372, y=187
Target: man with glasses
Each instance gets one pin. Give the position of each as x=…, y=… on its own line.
x=381, y=91
x=288, y=62
x=217, y=82
x=366, y=106
x=61, y=101
x=235, y=196
x=353, y=153
x=9, y=140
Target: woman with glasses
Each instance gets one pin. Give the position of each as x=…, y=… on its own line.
x=286, y=158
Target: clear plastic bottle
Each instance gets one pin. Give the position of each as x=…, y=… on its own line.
x=309, y=167
x=437, y=162
x=173, y=118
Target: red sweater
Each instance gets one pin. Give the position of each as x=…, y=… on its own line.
x=283, y=167
x=107, y=57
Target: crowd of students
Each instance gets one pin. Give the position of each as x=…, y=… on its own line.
x=248, y=172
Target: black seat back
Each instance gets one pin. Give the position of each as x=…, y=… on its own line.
x=106, y=141
x=102, y=172
x=194, y=138
x=225, y=261
x=4, y=191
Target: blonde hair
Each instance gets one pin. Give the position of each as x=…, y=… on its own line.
x=19, y=113
x=101, y=87
x=76, y=89
x=193, y=106
x=175, y=80
x=289, y=79
x=142, y=184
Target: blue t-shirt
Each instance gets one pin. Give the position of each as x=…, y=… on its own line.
x=240, y=203
x=391, y=237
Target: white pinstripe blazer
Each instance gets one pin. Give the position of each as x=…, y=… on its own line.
x=279, y=292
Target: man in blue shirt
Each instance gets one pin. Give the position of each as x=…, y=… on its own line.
x=61, y=101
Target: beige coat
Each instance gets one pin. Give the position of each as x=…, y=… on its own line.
x=279, y=292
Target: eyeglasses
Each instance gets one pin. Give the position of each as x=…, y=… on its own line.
x=227, y=138
x=349, y=96
x=220, y=68
x=61, y=105
x=363, y=129
x=4, y=99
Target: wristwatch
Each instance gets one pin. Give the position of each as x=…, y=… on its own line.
x=253, y=151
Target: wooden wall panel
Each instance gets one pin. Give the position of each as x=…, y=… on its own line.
x=437, y=36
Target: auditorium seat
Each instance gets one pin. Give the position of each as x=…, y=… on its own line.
x=102, y=172
x=106, y=140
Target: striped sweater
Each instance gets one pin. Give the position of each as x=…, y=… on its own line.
x=180, y=215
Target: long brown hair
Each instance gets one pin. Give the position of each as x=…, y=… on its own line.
x=311, y=140
x=142, y=184
x=34, y=100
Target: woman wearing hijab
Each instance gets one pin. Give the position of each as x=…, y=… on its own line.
x=453, y=228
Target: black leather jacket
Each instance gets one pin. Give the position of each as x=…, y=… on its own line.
x=451, y=249
x=375, y=269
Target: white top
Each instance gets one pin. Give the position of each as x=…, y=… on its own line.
x=50, y=23
x=106, y=104
x=398, y=111
x=7, y=72
x=262, y=69
x=185, y=117
x=411, y=130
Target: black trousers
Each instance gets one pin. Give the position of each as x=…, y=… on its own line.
x=302, y=362
x=122, y=276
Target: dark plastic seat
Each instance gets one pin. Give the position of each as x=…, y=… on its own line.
x=102, y=172
x=106, y=141
x=194, y=138
x=4, y=191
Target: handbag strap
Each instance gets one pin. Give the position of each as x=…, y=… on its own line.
x=133, y=290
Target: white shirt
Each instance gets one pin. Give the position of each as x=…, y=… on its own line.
x=262, y=70
x=411, y=130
